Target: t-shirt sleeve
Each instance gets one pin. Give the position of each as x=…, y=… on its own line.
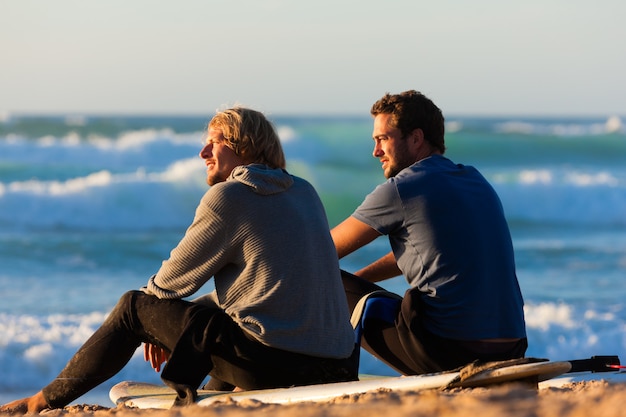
x=381, y=209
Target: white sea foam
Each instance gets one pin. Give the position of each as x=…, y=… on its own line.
x=584, y=179
x=286, y=133
x=34, y=349
x=139, y=139
x=559, y=176
x=571, y=128
x=544, y=315
x=542, y=176
x=614, y=124
x=182, y=171
x=562, y=195
x=516, y=127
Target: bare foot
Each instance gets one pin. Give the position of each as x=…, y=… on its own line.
x=15, y=407
x=30, y=405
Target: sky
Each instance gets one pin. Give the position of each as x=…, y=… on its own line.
x=316, y=57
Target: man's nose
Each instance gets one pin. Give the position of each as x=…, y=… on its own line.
x=205, y=152
x=378, y=152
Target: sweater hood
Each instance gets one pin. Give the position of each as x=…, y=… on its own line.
x=262, y=179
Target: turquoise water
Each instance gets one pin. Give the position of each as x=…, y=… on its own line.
x=91, y=205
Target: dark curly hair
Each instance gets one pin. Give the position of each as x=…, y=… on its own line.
x=412, y=110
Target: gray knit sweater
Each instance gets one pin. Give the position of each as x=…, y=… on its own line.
x=263, y=236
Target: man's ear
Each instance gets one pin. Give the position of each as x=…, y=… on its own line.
x=417, y=137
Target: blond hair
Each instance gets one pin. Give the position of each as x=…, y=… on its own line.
x=250, y=135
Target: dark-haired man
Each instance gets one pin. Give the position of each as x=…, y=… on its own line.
x=450, y=240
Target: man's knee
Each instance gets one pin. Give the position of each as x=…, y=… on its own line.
x=129, y=297
x=126, y=304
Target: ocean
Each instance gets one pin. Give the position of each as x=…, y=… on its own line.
x=91, y=205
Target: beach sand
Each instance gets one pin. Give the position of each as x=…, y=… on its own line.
x=597, y=398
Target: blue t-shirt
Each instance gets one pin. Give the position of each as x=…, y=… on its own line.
x=451, y=241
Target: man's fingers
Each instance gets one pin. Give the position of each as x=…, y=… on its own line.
x=153, y=354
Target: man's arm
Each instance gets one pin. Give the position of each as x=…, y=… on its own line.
x=352, y=234
x=380, y=270
x=196, y=258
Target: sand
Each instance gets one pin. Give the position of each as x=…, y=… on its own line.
x=597, y=398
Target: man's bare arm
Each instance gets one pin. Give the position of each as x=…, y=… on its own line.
x=380, y=270
x=350, y=235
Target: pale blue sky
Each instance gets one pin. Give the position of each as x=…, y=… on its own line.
x=556, y=57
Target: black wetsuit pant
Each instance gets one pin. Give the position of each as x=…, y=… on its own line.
x=201, y=341
x=409, y=348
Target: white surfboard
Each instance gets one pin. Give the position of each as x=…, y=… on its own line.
x=570, y=378
x=143, y=395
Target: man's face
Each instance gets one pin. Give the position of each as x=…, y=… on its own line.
x=220, y=160
x=392, y=149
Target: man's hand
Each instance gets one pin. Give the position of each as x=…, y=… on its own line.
x=155, y=355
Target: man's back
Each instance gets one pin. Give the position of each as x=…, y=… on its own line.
x=285, y=266
x=447, y=230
